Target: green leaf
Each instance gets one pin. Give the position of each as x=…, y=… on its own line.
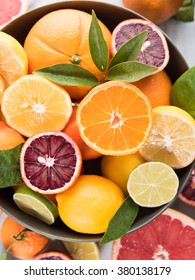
x=10, y=167
x=122, y=221
x=3, y=256
x=186, y=11
x=98, y=46
x=67, y=74
x=130, y=71
x=183, y=92
x=130, y=50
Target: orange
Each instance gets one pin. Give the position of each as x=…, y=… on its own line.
x=72, y=130
x=114, y=118
x=89, y=204
x=9, y=138
x=2, y=87
x=1, y=212
x=157, y=88
x=62, y=36
x=52, y=255
x=13, y=59
x=29, y=243
x=157, y=11
x=33, y=104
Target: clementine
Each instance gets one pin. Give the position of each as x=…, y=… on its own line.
x=9, y=138
x=23, y=244
x=60, y=37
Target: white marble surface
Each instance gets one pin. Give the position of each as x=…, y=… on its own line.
x=181, y=33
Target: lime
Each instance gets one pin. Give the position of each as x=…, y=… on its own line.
x=83, y=250
x=35, y=204
x=152, y=184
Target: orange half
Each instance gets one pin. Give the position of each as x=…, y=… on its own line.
x=114, y=118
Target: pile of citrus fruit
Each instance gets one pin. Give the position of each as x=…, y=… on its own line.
x=123, y=119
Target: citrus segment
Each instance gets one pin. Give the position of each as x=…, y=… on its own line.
x=35, y=204
x=89, y=204
x=152, y=184
x=114, y=118
x=13, y=59
x=154, y=52
x=171, y=236
x=172, y=137
x=50, y=162
x=83, y=250
x=64, y=42
x=11, y=9
x=32, y=104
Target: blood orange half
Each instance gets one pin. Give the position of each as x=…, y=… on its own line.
x=171, y=236
x=154, y=52
x=50, y=162
x=10, y=9
x=188, y=193
x=52, y=255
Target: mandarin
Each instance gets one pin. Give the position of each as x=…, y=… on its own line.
x=23, y=244
x=62, y=37
x=157, y=88
x=157, y=11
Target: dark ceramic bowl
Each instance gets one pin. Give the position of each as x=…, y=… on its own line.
x=111, y=15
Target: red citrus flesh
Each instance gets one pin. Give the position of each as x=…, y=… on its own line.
x=10, y=9
x=171, y=236
x=50, y=162
x=53, y=255
x=154, y=51
x=188, y=193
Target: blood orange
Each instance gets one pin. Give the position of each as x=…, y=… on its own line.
x=10, y=9
x=52, y=255
x=171, y=236
x=188, y=193
x=154, y=52
x=50, y=162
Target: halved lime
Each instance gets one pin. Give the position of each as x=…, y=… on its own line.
x=35, y=204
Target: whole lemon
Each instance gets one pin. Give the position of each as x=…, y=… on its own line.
x=89, y=204
x=118, y=168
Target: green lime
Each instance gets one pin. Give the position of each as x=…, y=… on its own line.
x=35, y=204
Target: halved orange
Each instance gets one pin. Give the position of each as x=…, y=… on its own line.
x=114, y=118
x=33, y=104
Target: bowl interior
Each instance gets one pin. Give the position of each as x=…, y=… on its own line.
x=111, y=15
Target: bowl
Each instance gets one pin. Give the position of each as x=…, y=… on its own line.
x=111, y=15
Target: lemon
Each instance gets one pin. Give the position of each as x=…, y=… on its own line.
x=172, y=137
x=35, y=204
x=152, y=184
x=118, y=168
x=89, y=205
x=83, y=250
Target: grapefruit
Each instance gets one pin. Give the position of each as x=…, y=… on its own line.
x=50, y=162
x=171, y=236
x=11, y=9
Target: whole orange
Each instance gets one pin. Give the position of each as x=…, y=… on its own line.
x=62, y=36
x=9, y=138
x=24, y=244
x=72, y=130
x=157, y=88
x=158, y=11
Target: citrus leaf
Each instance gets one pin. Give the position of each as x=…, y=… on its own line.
x=10, y=167
x=130, y=50
x=183, y=92
x=3, y=256
x=122, y=221
x=67, y=74
x=98, y=45
x=186, y=11
x=130, y=71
